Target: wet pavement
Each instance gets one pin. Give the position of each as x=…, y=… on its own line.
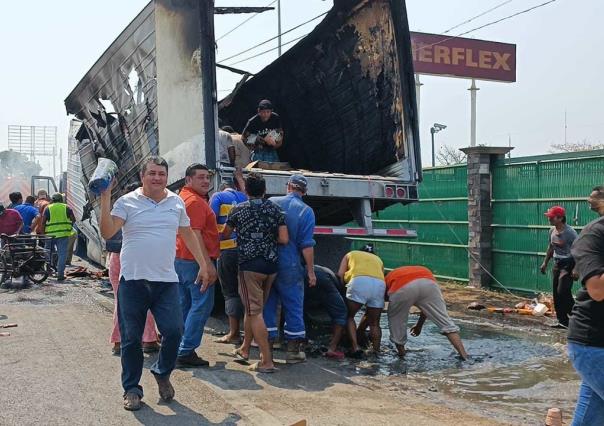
x=512, y=373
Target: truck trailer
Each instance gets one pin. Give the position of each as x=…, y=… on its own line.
x=345, y=94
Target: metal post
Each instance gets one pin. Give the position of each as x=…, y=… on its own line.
x=432, y=131
x=279, y=26
x=473, y=89
x=418, y=86
x=54, y=162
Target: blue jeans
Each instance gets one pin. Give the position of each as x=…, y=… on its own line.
x=134, y=299
x=196, y=306
x=60, y=245
x=589, y=362
x=289, y=288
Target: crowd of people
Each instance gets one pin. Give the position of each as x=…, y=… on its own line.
x=169, y=250
x=42, y=215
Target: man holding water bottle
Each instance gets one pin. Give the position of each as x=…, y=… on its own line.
x=150, y=218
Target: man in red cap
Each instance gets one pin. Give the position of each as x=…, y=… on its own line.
x=561, y=238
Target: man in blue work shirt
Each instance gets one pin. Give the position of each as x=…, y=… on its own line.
x=289, y=285
x=27, y=211
x=222, y=203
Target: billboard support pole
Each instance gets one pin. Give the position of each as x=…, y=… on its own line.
x=473, y=89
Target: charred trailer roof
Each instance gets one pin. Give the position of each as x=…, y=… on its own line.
x=345, y=93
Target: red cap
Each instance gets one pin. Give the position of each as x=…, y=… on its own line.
x=555, y=211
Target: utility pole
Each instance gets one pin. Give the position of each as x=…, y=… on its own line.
x=473, y=89
x=279, y=26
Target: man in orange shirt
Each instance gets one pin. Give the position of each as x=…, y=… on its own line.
x=416, y=286
x=196, y=301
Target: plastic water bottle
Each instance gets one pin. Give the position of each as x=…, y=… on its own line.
x=103, y=175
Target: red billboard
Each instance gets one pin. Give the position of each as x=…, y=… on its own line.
x=463, y=57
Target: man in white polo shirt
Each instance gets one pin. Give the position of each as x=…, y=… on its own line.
x=150, y=218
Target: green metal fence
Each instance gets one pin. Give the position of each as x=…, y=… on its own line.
x=441, y=222
x=523, y=189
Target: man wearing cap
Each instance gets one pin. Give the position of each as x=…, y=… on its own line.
x=289, y=284
x=561, y=238
x=57, y=222
x=264, y=133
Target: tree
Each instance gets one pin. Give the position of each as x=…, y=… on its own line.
x=448, y=155
x=584, y=145
x=14, y=163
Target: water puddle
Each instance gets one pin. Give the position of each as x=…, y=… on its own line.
x=514, y=372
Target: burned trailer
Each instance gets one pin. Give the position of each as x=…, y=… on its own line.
x=345, y=93
x=346, y=97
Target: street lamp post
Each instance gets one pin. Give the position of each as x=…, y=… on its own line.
x=435, y=129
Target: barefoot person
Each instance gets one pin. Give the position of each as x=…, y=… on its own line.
x=260, y=226
x=363, y=273
x=150, y=218
x=416, y=286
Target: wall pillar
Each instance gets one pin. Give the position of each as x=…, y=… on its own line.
x=480, y=161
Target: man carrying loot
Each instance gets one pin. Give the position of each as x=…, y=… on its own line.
x=150, y=218
x=264, y=133
x=289, y=285
x=561, y=238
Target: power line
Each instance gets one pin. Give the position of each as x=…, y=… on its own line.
x=478, y=16
x=487, y=25
x=272, y=38
x=269, y=50
x=243, y=22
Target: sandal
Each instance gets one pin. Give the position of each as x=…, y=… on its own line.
x=239, y=355
x=337, y=355
x=256, y=367
x=228, y=341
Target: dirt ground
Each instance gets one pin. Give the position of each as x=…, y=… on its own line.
x=57, y=368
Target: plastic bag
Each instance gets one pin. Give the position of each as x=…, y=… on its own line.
x=103, y=175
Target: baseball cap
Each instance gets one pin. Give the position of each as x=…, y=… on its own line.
x=555, y=211
x=265, y=104
x=57, y=197
x=299, y=181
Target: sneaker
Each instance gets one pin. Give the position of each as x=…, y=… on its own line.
x=294, y=354
x=166, y=391
x=151, y=347
x=132, y=401
x=191, y=360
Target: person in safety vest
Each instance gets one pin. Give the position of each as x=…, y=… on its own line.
x=57, y=222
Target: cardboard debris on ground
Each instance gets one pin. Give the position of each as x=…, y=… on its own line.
x=8, y=325
x=538, y=307
x=82, y=272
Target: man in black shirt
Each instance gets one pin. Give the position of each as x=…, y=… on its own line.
x=263, y=133
x=586, y=328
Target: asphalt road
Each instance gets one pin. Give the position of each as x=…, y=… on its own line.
x=57, y=368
